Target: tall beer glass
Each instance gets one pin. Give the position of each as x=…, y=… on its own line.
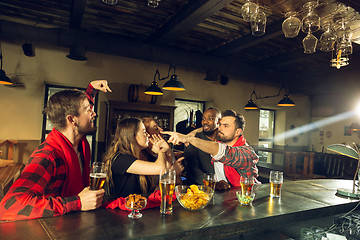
x=167, y=186
x=276, y=181
x=97, y=175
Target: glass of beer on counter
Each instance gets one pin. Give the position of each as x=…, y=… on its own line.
x=276, y=181
x=97, y=175
x=209, y=180
x=167, y=185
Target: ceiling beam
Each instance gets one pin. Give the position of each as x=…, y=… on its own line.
x=77, y=13
x=189, y=16
x=272, y=31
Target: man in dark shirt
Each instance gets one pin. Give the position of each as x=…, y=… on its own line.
x=198, y=162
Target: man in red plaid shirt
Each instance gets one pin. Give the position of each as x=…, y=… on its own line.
x=232, y=156
x=55, y=181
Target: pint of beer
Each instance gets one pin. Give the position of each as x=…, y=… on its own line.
x=246, y=184
x=209, y=180
x=167, y=186
x=97, y=175
x=276, y=181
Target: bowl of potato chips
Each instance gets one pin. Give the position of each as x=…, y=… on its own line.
x=194, y=197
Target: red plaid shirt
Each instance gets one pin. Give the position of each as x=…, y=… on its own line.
x=36, y=193
x=242, y=158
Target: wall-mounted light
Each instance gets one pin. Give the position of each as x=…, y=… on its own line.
x=285, y=102
x=172, y=85
x=154, y=89
x=251, y=105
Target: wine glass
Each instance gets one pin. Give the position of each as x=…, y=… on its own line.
x=309, y=43
x=291, y=25
x=327, y=39
x=249, y=9
x=311, y=22
x=258, y=23
x=135, y=207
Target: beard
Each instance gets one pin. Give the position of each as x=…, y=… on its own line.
x=87, y=130
x=209, y=132
x=225, y=139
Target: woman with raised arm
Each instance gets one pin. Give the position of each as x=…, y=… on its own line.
x=129, y=169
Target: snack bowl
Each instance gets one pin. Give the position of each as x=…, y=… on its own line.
x=193, y=197
x=135, y=203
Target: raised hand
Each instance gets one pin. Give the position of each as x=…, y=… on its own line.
x=101, y=85
x=158, y=144
x=177, y=138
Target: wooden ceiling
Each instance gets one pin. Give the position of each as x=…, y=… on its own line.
x=200, y=34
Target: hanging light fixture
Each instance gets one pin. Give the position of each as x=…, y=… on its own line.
x=286, y=102
x=172, y=85
x=3, y=78
x=154, y=89
x=251, y=105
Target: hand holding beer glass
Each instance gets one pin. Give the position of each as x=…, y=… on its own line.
x=276, y=181
x=167, y=185
x=97, y=175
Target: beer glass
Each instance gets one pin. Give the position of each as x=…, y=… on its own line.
x=276, y=181
x=247, y=194
x=209, y=180
x=97, y=175
x=167, y=185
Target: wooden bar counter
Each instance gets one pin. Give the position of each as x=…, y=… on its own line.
x=223, y=218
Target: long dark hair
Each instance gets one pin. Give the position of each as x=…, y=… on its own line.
x=124, y=142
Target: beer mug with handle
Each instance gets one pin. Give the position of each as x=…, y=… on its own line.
x=97, y=175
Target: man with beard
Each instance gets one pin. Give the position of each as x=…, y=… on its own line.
x=55, y=181
x=198, y=162
x=232, y=156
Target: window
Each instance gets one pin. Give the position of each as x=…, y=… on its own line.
x=266, y=133
x=47, y=125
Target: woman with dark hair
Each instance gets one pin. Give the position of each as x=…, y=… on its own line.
x=130, y=171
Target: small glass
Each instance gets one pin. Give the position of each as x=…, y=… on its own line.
x=167, y=185
x=276, y=182
x=97, y=175
x=135, y=211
